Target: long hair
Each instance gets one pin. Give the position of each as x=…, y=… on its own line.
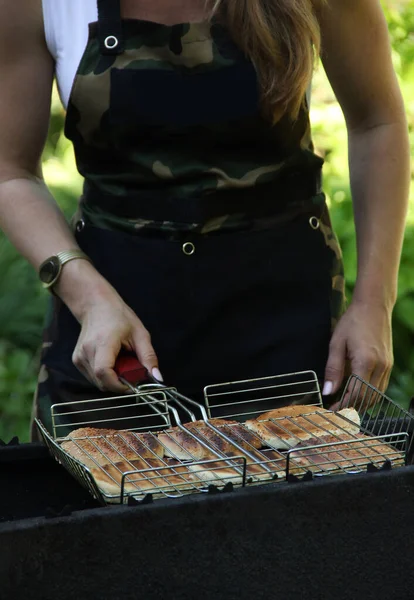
x=282, y=38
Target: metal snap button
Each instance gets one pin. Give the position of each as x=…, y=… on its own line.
x=80, y=225
x=314, y=222
x=188, y=248
x=111, y=42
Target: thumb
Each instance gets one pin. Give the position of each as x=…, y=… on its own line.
x=146, y=355
x=335, y=367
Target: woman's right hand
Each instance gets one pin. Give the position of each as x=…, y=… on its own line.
x=108, y=325
x=106, y=329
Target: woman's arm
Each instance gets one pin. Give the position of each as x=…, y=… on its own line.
x=28, y=214
x=357, y=59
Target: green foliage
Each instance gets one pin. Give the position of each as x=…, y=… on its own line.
x=400, y=19
x=18, y=368
x=22, y=304
x=22, y=300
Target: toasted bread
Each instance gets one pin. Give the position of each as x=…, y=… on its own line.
x=287, y=427
x=359, y=451
x=145, y=476
x=93, y=446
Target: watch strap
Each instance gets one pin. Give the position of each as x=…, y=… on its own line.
x=68, y=255
x=60, y=259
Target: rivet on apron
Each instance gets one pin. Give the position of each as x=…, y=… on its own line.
x=111, y=42
x=314, y=223
x=188, y=248
x=80, y=225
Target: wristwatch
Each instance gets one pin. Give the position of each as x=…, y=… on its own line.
x=51, y=269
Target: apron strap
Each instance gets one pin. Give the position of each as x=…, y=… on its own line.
x=110, y=34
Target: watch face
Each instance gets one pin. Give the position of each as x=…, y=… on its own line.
x=49, y=270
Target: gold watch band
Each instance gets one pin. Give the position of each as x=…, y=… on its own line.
x=51, y=269
x=68, y=255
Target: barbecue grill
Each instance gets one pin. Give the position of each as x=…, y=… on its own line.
x=343, y=537
x=322, y=535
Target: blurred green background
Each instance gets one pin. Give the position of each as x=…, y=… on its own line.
x=22, y=301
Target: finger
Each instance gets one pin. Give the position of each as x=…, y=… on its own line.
x=94, y=361
x=82, y=363
x=386, y=381
x=335, y=367
x=103, y=370
x=363, y=396
x=358, y=393
x=380, y=379
x=146, y=354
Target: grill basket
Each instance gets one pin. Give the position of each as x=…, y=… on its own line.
x=154, y=412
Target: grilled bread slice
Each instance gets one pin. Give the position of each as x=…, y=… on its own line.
x=184, y=446
x=287, y=427
x=289, y=411
x=218, y=473
x=235, y=431
x=151, y=476
x=181, y=445
x=242, y=436
x=93, y=446
x=248, y=442
x=360, y=451
x=263, y=466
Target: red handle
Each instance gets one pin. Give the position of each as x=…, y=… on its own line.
x=129, y=368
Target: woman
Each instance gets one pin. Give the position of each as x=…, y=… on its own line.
x=210, y=252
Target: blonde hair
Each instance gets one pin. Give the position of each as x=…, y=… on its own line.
x=282, y=38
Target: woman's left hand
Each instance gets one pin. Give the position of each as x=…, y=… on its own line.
x=362, y=340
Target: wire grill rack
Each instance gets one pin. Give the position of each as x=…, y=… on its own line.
x=113, y=481
x=252, y=397
x=131, y=463
x=154, y=452
x=319, y=441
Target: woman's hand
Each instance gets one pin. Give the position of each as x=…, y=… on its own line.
x=362, y=338
x=108, y=325
x=107, y=328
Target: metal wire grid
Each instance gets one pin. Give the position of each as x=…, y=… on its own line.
x=75, y=468
x=155, y=399
x=113, y=411
x=169, y=478
x=252, y=397
x=260, y=466
x=347, y=456
x=380, y=416
x=160, y=478
x=382, y=421
x=304, y=436
x=196, y=477
x=187, y=477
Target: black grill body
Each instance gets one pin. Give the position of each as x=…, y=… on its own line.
x=333, y=538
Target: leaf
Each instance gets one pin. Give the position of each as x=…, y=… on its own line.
x=404, y=312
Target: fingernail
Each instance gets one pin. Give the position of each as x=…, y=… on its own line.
x=327, y=388
x=156, y=373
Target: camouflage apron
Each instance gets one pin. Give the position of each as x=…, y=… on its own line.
x=208, y=220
